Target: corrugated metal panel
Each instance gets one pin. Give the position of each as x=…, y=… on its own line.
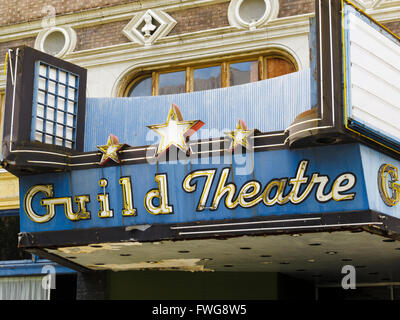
x=269, y=105
x=374, y=78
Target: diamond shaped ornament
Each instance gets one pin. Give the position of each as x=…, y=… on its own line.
x=147, y=27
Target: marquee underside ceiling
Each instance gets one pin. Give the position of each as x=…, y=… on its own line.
x=315, y=257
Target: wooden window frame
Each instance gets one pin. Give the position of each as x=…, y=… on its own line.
x=277, y=56
x=201, y=66
x=258, y=59
x=134, y=81
x=225, y=70
x=156, y=78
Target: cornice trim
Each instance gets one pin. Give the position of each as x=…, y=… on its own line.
x=95, y=17
x=225, y=40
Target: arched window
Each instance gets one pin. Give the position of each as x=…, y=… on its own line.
x=199, y=77
x=140, y=87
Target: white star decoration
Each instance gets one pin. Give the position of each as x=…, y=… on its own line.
x=110, y=150
x=240, y=136
x=175, y=131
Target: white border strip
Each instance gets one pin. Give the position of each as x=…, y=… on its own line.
x=280, y=228
x=243, y=223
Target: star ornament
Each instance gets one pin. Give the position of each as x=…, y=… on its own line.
x=110, y=150
x=175, y=131
x=240, y=136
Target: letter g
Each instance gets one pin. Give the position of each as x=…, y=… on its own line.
x=388, y=188
x=48, y=191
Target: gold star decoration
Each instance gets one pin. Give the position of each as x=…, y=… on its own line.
x=240, y=136
x=175, y=131
x=110, y=150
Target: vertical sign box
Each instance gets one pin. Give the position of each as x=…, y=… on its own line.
x=45, y=108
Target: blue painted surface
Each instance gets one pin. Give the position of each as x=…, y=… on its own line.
x=331, y=161
x=269, y=105
x=372, y=160
x=28, y=267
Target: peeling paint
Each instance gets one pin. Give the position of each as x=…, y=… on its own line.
x=171, y=264
x=262, y=254
x=143, y=227
x=97, y=247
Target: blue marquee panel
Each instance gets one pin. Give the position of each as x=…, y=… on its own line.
x=372, y=161
x=268, y=105
x=331, y=162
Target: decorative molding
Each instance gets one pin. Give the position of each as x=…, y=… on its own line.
x=93, y=17
x=366, y=4
x=384, y=11
x=148, y=26
x=69, y=37
x=286, y=35
x=9, y=195
x=385, y=14
x=228, y=40
x=236, y=20
x=375, y=4
x=220, y=41
x=387, y=3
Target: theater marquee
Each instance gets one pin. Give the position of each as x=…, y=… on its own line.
x=280, y=191
x=91, y=172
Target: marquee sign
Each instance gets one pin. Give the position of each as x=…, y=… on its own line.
x=276, y=192
x=275, y=183
x=355, y=72
x=82, y=177
x=371, y=73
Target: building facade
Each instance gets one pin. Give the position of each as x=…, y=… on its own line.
x=208, y=55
